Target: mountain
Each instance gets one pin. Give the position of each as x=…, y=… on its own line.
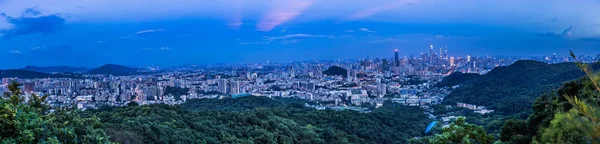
x=116, y=70
x=336, y=70
x=33, y=74
x=55, y=69
x=457, y=78
x=512, y=89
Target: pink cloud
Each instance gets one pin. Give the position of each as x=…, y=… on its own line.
x=235, y=23
x=282, y=12
x=386, y=6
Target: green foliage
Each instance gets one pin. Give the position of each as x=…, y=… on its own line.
x=570, y=127
x=28, y=123
x=462, y=132
x=260, y=120
x=176, y=92
x=233, y=104
x=336, y=71
x=515, y=131
x=570, y=116
x=457, y=78
x=521, y=82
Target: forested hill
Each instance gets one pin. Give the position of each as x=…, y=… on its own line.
x=512, y=89
x=259, y=120
x=457, y=78
x=113, y=69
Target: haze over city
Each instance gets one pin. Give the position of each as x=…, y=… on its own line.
x=170, y=33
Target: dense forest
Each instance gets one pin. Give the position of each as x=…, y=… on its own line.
x=457, y=78
x=512, y=89
x=336, y=71
x=259, y=120
x=570, y=115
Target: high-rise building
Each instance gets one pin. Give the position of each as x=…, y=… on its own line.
x=468, y=58
x=384, y=65
x=29, y=86
x=172, y=82
x=234, y=87
x=431, y=54
x=222, y=84
x=446, y=52
x=292, y=72
x=396, y=61
x=441, y=55
x=451, y=61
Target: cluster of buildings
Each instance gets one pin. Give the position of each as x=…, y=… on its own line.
x=367, y=82
x=475, y=108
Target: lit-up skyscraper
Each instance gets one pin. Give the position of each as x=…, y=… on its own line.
x=396, y=61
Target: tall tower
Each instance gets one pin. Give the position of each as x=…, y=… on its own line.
x=396, y=61
x=431, y=54
x=446, y=52
x=441, y=54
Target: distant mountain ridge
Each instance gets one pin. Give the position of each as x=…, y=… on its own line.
x=116, y=70
x=11, y=73
x=512, y=89
x=55, y=69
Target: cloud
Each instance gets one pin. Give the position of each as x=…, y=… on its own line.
x=283, y=11
x=235, y=24
x=165, y=48
x=384, y=6
x=283, y=30
x=144, y=32
x=253, y=43
x=15, y=51
x=292, y=41
x=366, y=30
x=286, y=39
x=362, y=30
x=149, y=31
x=42, y=25
x=565, y=34
x=292, y=36
x=31, y=12
x=36, y=48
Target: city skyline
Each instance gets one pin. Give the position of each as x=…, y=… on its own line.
x=173, y=33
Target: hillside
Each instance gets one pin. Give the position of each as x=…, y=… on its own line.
x=55, y=69
x=259, y=120
x=32, y=74
x=512, y=89
x=457, y=78
x=113, y=69
x=336, y=71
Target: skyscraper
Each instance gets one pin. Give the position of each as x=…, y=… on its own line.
x=446, y=52
x=292, y=73
x=384, y=65
x=234, y=87
x=222, y=84
x=396, y=61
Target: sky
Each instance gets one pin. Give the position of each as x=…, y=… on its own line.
x=90, y=33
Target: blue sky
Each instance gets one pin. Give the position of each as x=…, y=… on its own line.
x=177, y=32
